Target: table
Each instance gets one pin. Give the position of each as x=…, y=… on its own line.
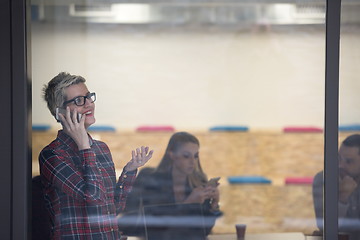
x=261, y=236
x=257, y=236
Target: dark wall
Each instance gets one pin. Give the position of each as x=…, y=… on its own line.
x=5, y=119
x=15, y=102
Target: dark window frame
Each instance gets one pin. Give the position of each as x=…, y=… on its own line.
x=333, y=11
x=15, y=133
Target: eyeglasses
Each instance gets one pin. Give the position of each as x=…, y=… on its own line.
x=81, y=100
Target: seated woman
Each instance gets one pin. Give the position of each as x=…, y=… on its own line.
x=178, y=179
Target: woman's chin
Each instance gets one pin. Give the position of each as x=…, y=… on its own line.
x=89, y=122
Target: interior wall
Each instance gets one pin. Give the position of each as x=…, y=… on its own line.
x=261, y=78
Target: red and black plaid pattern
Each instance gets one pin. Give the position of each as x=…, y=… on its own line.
x=80, y=189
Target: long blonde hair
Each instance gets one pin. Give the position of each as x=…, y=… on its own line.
x=197, y=177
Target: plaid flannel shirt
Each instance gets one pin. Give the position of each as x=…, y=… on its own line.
x=80, y=189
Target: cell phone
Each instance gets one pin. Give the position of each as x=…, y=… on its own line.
x=63, y=112
x=213, y=181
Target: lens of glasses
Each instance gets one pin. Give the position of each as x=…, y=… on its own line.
x=92, y=97
x=80, y=101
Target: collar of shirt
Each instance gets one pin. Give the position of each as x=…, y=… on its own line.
x=70, y=142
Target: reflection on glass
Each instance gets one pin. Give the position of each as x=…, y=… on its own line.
x=254, y=70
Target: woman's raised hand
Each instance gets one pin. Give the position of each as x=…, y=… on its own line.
x=139, y=158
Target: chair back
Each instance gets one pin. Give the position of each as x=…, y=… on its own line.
x=41, y=226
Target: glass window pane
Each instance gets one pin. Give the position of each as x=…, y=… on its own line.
x=247, y=79
x=349, y=138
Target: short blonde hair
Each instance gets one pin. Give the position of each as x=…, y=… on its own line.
x=54, y=91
